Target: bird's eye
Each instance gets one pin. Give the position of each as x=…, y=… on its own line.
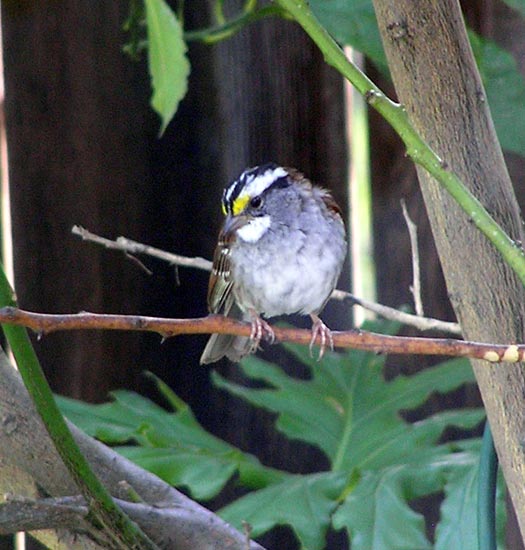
x=256, y=202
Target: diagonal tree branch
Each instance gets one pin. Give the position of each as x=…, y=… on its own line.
x=172, y=519
x=43, y=323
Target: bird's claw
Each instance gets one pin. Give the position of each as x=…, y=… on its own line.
x=319, y=329
x=260, y=329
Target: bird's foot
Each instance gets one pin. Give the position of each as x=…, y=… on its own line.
x=260, y=329
x=319, y=329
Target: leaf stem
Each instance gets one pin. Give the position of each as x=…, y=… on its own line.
x=214, y=34
x=124, y=533
x=417, y=149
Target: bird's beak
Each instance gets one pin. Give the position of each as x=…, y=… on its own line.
x=233, y=223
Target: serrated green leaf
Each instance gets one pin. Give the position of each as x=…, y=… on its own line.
x=457, y=529
x=379, y=504
x=348, y=410
x=303, y=502
x=372, y=511
x=380, y=461
x=168, y=65
x=172, y=445
x=458, y=524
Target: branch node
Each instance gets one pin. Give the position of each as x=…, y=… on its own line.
x=372, y=96
x=397, y=29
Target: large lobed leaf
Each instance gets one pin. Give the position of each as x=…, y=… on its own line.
x=377, y=517
x=379, y=462
x=305, y=503
x=173, y=446
x=353, y=22
x=349, y=411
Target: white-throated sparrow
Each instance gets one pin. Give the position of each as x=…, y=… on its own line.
x=280, y=251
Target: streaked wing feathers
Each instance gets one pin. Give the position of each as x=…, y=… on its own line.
x=220, y=297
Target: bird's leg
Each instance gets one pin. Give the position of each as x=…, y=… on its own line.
x=260, y=329
x=325, y=336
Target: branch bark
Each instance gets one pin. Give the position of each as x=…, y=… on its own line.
x=170, y=518
x=446, y=103
x=44, y=323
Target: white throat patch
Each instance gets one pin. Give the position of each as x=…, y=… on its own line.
x=254, y=229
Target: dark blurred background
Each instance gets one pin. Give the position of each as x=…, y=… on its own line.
x=83, y=149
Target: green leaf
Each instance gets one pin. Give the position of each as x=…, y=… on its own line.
x=518, y=5
x=353, y=22
x=457, y=528
x=377, y=515
x=303, y=502
x=172, y=445
x=505, y=87
x=348, y=410
x=168, y=66
x=205, y=474
x=379, y=461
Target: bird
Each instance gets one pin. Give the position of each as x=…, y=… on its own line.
x=280, y=251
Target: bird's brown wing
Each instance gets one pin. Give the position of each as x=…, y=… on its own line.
x=221, y=300
x=220, y=285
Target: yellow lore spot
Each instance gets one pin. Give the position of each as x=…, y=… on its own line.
x=491, y=356
x=511, y=355
x=239, y=204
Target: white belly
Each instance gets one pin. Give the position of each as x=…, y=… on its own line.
x=298, y=279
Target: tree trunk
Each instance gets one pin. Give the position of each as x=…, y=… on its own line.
x=445, y=100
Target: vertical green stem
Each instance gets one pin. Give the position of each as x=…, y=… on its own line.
x=123, y=532
x=417, y=149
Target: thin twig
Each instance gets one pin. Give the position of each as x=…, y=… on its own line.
x=133, y=247
x=416, y=275
x=421, y=323
x=128, y=246
x=378, y=343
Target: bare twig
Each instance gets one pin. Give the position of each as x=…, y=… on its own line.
x=133, y=247
x=416, y=275
x=128, y=246
x=356, y=339
x=421, y=323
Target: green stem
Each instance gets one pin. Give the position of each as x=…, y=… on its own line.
x=487, y=480
x=124, y=533
x=224, y=30
x=417, y=149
